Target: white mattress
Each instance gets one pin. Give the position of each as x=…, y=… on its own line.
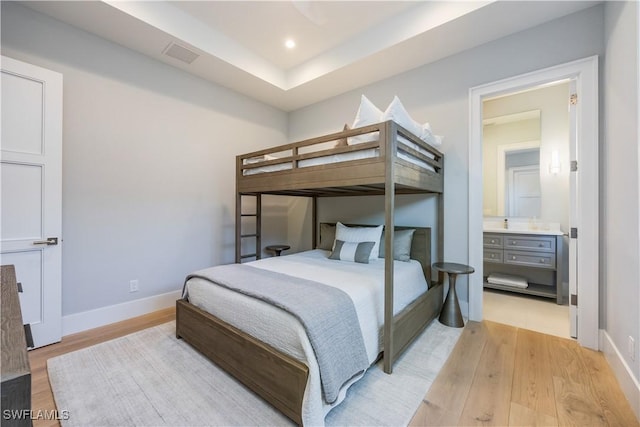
x=344, y=157
x=364, y=283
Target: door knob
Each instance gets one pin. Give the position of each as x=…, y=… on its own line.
x=51, y=241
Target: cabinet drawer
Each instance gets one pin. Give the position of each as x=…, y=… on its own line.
x=492, y=240
x=543, y=244
x=530, y=259
x=493, y=255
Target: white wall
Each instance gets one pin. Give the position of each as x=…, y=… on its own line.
x=620, y=296
x=148, y=162
x=438, y=93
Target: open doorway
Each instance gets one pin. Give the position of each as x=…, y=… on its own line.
x=583, y=75
x=525, y=140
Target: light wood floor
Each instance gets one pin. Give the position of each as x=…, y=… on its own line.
x=497, y=375
x=500, y=375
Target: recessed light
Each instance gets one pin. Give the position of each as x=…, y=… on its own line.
x=290, y=44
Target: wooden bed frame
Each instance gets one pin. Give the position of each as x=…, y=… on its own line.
x=275, y=376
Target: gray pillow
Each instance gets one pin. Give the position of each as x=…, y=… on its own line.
x=327, y=236
x=352, y=251
x=401, y=244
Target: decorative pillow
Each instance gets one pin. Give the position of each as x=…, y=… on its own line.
x=342, y=142
x=368, y=114
x=327, y=236
x=401, y=244
x=360, y=234
x=396, y=112
x=352, y=251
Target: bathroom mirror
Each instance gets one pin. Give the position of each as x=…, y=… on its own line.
x=511, y=165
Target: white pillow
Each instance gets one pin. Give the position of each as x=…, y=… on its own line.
x=368, y=114
x=396, y=112
x=428, y=136
x=360, y=234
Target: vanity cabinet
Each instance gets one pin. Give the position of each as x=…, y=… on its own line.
x=536, y=257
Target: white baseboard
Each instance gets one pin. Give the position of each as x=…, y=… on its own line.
x=628, y=383
x=85, y=320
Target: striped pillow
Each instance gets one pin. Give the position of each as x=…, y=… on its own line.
x=352, y=251
x=360, y=234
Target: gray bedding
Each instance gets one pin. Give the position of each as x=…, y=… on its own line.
x=327, y=314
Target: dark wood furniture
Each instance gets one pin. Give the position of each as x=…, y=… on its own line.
x=16, y=372
x=270, y=373
x=536, y=257
x=277, y=249
x=451, y=314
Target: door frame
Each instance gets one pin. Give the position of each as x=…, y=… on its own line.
x=585, y=74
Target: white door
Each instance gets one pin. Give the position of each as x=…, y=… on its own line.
x=31, y=188
x=524, y=191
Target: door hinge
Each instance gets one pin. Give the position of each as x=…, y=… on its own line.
x=574, y=299
x=574, y=165
x=574, y=233
x=573, y=99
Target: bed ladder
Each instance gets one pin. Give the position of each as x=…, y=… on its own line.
x=256, y=234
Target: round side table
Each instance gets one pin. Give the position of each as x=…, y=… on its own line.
x=451, y=314
x=277, y=249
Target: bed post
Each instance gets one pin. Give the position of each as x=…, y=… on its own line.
x=314, y=220
x=238, y=225
x=441, y=227
x=388, y=136
x=258, y=226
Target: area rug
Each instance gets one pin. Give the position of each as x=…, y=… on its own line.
x=150, y=378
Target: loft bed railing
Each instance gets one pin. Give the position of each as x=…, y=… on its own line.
x=304, y=167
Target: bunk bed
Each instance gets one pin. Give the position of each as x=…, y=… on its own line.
x=379, y=159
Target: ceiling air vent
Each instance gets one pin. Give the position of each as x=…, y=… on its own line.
x=180, y=52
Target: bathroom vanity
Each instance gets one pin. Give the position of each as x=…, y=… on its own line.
x=535, y=255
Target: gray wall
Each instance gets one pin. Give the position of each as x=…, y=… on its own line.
x=438, y=93
x=148, y=162
x=620, y=292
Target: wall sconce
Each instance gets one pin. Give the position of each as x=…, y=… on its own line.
x=554, y=165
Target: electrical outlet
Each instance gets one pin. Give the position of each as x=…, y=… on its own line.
x=631, y=348
x=133, y=285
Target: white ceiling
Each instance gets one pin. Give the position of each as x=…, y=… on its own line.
x=341, y=45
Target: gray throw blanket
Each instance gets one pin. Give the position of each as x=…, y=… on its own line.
x=327, y=314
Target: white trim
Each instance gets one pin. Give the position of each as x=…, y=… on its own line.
x=622, y=371
x=501, y=159
x=585, y=72
x=78, y=322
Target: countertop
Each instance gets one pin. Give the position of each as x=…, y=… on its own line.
x=522, y=231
